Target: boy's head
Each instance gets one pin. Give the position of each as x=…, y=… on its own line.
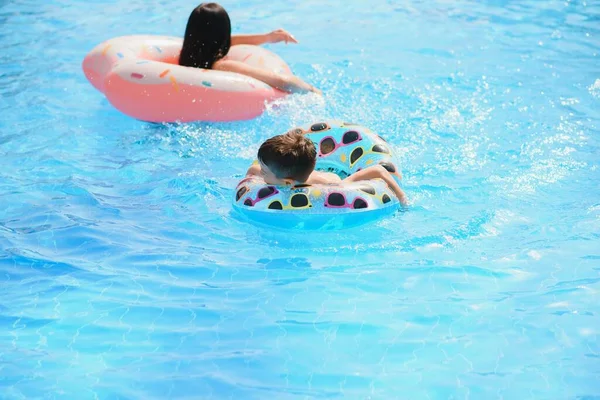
x=287, y=157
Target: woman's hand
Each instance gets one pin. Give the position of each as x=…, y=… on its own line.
x=317, y=91
x=280, y=35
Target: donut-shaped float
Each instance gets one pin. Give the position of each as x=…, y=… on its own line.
x=342, y=148
x=141, y=77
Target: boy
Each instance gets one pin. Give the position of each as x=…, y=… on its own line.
x=290, y=159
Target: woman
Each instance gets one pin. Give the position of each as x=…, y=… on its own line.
x=208, y=39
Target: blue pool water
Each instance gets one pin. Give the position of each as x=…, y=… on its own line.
x=125, y=275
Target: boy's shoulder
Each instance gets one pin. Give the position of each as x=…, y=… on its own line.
x=320, y=177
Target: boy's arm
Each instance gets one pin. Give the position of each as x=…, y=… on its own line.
x=254, y=170
x=377, y=171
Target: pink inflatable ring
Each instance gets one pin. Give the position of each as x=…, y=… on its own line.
x=140, y=76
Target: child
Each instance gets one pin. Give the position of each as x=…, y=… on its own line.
x=290, y=159
x=207, y=41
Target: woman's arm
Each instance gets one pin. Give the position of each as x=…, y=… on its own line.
x=255, y=40
x=277, y=36
x=377, y=171
x=287, y=83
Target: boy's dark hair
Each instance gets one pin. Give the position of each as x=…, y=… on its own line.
x=289, y=156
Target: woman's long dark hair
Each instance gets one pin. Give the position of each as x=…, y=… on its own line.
x=207, y=36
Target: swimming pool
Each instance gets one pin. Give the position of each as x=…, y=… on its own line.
x=124, y=273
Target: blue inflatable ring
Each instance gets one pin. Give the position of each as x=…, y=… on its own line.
x=343, y=148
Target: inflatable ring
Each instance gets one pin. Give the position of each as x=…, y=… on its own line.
x=343, y=148
x=140, y=76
